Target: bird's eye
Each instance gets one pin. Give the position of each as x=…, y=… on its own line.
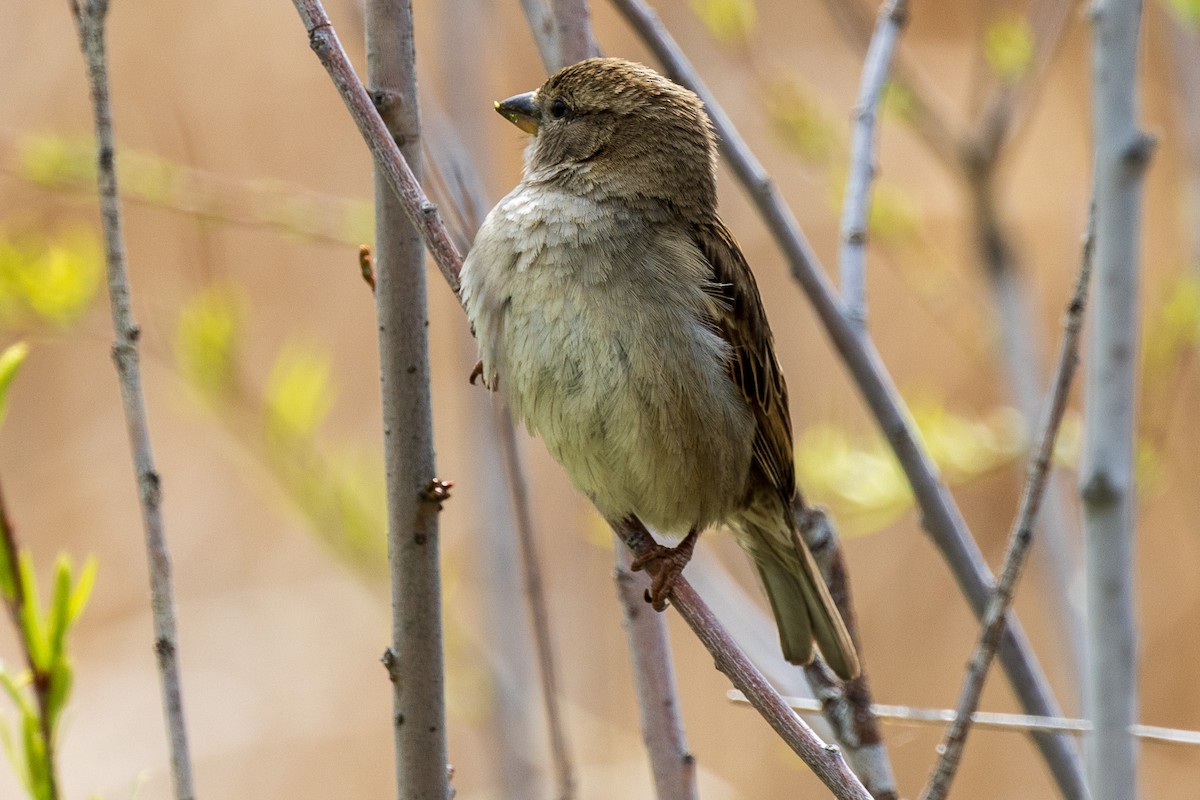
x=558, y=109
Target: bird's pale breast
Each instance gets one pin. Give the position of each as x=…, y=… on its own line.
x=591, y=318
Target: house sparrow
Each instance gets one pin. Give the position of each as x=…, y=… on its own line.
x=617, y=314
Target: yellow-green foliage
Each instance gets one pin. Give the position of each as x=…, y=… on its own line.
x=729, y=21
x=41, y=690
x=339, y=491
x=48, y=280
x=1187, y=10
x=60, y=163
x=861, y=479
x=206, y=338
x=800, y=122
x=1008, y=46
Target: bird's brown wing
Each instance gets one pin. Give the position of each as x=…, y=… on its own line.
x=739, y=318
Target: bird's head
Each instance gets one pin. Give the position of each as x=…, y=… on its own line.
x=610, y=126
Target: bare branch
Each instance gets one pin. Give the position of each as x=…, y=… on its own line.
x=674, y=768
x=564, y=773
x=1107, y=476
x=90, y=23
x=414, y=494
x=826, y=762
x=855, y=207
x=1019, y=540
x=940, y=515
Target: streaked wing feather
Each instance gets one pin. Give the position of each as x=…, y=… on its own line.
x=739, y=317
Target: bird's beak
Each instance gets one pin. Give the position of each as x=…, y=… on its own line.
x=521, y=110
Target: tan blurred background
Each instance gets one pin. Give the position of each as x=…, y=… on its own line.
x=281, y=630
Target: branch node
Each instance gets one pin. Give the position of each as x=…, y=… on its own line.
x=391, y=662
x=436, y=491
x=1139, y=150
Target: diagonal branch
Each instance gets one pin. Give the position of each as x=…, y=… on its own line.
x=89, y=22
x=940, y=515
x=1019, y=541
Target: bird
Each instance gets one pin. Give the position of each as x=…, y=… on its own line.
x=616, y=314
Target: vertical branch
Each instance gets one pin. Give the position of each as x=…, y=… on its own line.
x=855, y=208
x=1019, y=540
x=940, y=515
x=90, y=22
x=532, y=574
x=673, y=766
x=1107, y=479
x=415, y=660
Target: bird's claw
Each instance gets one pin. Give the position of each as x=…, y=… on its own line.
x=669, y=563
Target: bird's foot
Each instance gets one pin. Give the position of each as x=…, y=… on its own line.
x=477, y=373
x=669, y=563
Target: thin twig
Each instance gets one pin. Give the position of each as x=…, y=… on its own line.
x=855, y=207
x=1016, y=723
x=89, y=22
x=826, y=762
x=846, y=705
x=940, y=515
x=674, y=767
x=924, y=104
x=560, y=756
x=414, y=661
x=1019, y=541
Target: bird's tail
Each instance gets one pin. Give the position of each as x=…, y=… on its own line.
x=803, y=608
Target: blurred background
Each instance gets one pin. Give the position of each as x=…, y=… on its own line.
x=247, y=193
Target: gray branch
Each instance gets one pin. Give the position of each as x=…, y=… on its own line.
x=674, y=768
x=90, y=22
x=414, y=661
x=1107, y=478
x=856, y=206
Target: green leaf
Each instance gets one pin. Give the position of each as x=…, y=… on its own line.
x=10, y=361
x=32, y=628
x=1008, y=46
x=82, y=590
x=62, y=678
x=12, y=687
x=58, y=618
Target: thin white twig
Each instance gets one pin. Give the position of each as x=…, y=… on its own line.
x=991, y=720
x=856, y=206
x=90, y=22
